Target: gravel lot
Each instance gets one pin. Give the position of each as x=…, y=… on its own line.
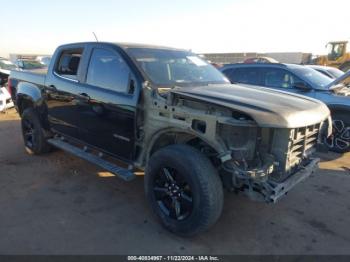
x=58, y=204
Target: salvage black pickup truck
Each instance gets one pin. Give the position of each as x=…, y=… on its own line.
x=172, y=115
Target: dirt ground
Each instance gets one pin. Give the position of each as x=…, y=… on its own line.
x=58, y=204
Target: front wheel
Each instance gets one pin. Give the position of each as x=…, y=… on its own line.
x=184, y=189
x=339, y=141
x=33, y=133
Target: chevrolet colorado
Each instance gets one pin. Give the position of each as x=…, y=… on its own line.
x=170, y=114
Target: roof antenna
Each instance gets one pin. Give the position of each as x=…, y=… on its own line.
x=95, y=36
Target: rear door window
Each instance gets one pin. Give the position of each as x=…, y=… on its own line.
x=249, y=76
x=107, y=69
x=68, y=63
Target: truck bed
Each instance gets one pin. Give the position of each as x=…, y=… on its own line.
x=36, y=77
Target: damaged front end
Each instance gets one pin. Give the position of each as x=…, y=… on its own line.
x=261, y=141
x=279, y=159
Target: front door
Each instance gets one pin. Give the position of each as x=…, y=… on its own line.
x=108, y=119
x=283, y=80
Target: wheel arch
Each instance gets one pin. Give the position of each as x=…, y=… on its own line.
x=28, y=95
x=336, y=109
x=170, y=136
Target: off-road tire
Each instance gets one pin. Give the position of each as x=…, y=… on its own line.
x=38, y=144
x=202, y=178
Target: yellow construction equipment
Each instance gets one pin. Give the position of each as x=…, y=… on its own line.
x=337, y=56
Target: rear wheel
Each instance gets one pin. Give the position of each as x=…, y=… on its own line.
x=33, y=134
x=339, y=141
x=184, y=189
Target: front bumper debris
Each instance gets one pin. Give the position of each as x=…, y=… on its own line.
x=277, y=190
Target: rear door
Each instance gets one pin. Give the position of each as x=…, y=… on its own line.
x=63, y=93
x=244, y=75
x=107, y=120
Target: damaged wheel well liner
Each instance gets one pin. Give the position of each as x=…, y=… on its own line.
x=171, y=136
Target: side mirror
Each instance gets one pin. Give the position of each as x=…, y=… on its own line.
x=302, y=86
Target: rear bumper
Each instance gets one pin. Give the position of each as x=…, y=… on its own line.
x=278, y=190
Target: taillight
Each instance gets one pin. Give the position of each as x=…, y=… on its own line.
x=9, y=86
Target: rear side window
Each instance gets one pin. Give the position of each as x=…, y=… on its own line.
x=108, y=70
x=243, y=75
x=68, y=63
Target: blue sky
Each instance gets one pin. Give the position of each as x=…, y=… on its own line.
x=38, y=26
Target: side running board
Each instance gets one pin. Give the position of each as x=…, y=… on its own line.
x=123, y=173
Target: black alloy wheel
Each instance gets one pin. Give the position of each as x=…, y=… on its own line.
x=33, y=134
x=28, y=133
x=173, y=194
x=184, y=189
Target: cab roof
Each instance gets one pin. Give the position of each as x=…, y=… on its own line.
x=124, y=45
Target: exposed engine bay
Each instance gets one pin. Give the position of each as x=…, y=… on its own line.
x=260, y=161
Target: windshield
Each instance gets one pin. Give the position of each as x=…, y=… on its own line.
x=315, y=78
x=7, y=65
x=335, y=72
x=166, y=67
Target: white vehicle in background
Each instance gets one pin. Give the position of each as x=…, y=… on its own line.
x=6, y=66
x=5, y=99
